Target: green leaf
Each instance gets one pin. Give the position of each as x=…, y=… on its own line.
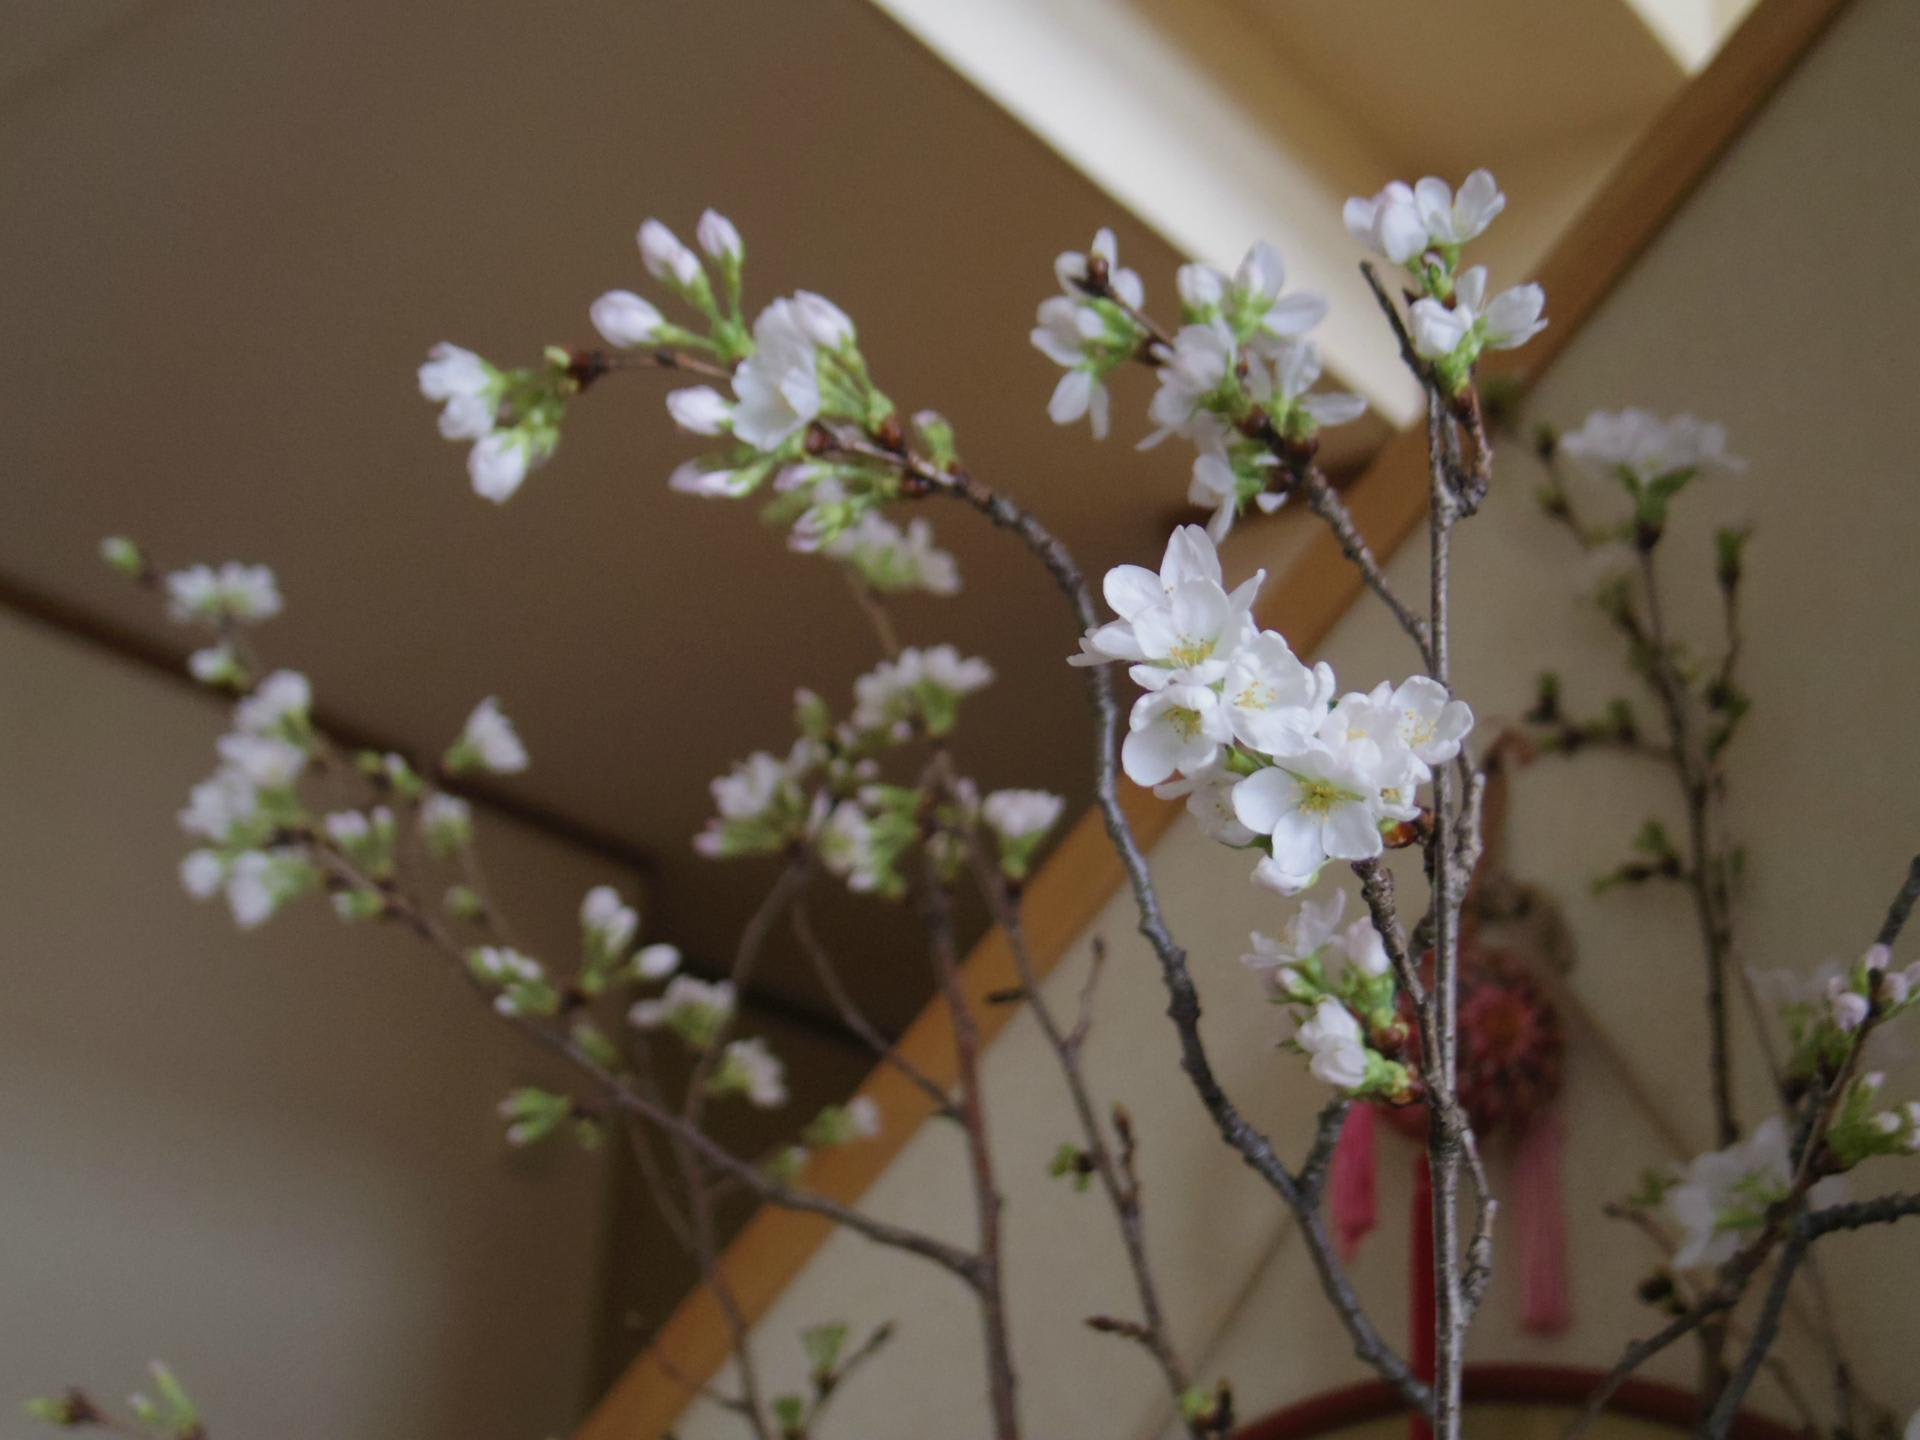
x=823, y=1344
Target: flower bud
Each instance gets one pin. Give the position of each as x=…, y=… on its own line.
x=625, y=320
x=666, y=258
x=718, y=237
x=700, y=409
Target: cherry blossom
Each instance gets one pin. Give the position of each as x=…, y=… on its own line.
x=488, y=742
x=1647, y=446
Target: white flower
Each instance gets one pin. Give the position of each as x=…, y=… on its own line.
x=283, y=696
x=607, y=921
x=447, y=823
x=778, y=386
x=233, y=592
x=1283, y=382
x=216, y=665
x=1078, y=393
x=347, y=827
x=1363, y=948
x=259, y=882
x=1202, y=288
x=1209, y=797
x=846, y=847
x=1509, y=321
x=267, y=763
x=656, y=962
x=1426, y=717
x=692, y=477
x=1257, y=284
x=1316, y=804
x=451, y=372
x=499, y=462
x=1723, y=1195
x=1332, y=1037
x=1389, y=224
x=1192, y=636
x=1179, y=727
x=1201, y=359
x=1017, y=814
x=924, y=682
x=624, y=320
x=1215, y=487
x=746, y=791
x=1312, y=927
x=1274, y=701
x=466, y=386
x=824, y=322
x=1849, y=1009
x=891, y=559
x=1072, y=333
x=718, y=237
x=488, y=741
x=700, y=409
x=215, y=806
x=1274, y=875
x=748, y=1066
x=1648, y=446
x=468, y=417
x=692, y=1007
x=202, y=873
x=1139, y=596
x=1454, y=220
x=1071, y=269
x=666, y=258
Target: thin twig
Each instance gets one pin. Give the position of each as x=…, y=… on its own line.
x=856, y=1019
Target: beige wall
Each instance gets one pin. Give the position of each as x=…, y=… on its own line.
x=268, y=1158
x=1780, y=301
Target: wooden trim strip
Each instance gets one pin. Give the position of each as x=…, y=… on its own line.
x=1306, y=599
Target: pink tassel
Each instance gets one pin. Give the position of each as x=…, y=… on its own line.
x=1541, y=1227
x=1351, y=1182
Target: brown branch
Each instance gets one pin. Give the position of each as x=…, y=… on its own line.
x=1183, y=1000
x=1117, y=1177
x=989, y=1282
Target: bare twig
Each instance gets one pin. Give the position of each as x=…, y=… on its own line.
x=856, y=1019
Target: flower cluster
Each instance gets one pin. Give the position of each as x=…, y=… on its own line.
x=1020, y=821
x=894, y=561
x=826, y=792
x=1239, y=370
x=694, y=1009
x=794, y=370
x=1337, y=981
x=222, y=599
x=1424, y=227
x=1823, y=1012
x=1265, y=753
x=510, y=417
x=1652, y=458
x=1641, y=448
x=1091, y=328
x=1723, y=1199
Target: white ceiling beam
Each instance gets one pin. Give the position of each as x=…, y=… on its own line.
x=1184, y=113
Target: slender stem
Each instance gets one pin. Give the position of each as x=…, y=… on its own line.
x=1002, y=1382
x=621, y=1091
x=1703, y=862
x=856, y=1019
x=1183, y=1000
x=1445, y=1125
x=1117, y=1178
